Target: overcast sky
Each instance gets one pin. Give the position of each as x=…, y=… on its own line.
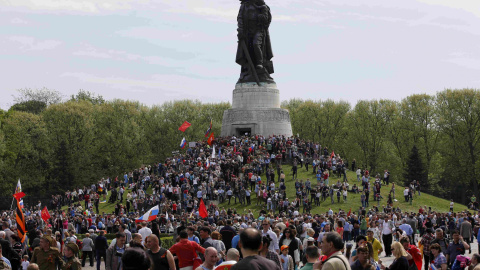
x=159, y=50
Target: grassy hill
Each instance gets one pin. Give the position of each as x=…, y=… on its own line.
x=353, y=200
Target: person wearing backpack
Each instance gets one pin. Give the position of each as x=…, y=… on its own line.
x=441, y=240
x=456, y=247
x=331, y=246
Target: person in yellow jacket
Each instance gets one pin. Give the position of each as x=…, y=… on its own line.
x=377, y=247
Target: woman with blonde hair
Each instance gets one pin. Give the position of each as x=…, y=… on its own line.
x=400, y=262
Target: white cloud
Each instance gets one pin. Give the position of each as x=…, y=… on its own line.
x=31, y=44
x=171, y=86
x=471, y=6
x=89, y=6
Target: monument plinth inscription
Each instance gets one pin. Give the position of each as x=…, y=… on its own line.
x=256, y=99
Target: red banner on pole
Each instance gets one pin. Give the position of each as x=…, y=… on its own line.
x=184, y=126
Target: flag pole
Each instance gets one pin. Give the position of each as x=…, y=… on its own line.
x=11, y=205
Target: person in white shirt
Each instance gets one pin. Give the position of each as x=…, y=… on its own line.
x=144, y=231
x=387, y=236
x=267, y=231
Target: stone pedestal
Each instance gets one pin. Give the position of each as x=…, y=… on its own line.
x=256, y=110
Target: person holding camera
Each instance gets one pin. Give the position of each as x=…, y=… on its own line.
x=115, y=253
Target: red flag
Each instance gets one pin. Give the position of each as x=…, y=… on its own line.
x=45, y=214
x=234, y=149
x=349, y=212
x=332, y=155
x=210, y=139
x=202, y=210
x=184, y=126
x=19, y=195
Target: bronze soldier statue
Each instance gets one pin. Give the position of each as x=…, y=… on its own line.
x=254, y=51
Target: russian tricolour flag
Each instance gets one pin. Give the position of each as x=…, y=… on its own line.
x=149, y=216
x=207, y=165
x=183, y=143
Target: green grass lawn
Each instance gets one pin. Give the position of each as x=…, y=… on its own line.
x=353, y=200
x=107, y=207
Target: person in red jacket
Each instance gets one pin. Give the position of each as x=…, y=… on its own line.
x=186, y=251
x=414, y=254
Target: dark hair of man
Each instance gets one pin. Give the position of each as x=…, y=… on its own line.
x=362, y=249
x=206, y=229
x=136, y=259
x=119, y=235
x=190, y=228
x=335, y=238
x=229, y=222
x=361, y=237
x=312, y=252
x=476, y=256
x=266, y=239
x=435, y=246
x=251, y=239
x=183, y=234
x=455, y=232
x=404, y=240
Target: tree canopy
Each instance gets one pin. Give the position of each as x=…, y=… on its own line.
x=50, y=142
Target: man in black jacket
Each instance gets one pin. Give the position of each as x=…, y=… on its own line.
x=101, y=246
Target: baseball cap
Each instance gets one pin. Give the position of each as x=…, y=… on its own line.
x=283, y=247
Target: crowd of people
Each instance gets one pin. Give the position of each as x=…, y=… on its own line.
x=283, y=235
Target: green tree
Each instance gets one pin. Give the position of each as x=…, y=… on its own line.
x=120, y=142
x=292, y=106
x=87, y=96
x=415, y=169
x=459, y=121
x=26, y=151
x=368, y=123
x=71, y=124
x=44, y=95
x=30, y=106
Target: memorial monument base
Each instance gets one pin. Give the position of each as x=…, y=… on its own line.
x=256, y=110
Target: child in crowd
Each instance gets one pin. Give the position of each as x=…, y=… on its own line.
x=25, y=262
x=285, y=259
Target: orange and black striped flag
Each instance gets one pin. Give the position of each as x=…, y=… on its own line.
x=20, y=217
